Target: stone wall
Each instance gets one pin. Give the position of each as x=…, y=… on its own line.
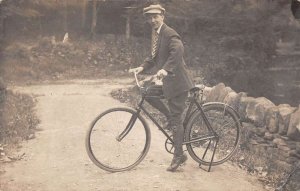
x=276, y=127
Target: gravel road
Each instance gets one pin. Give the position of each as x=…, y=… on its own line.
x=56, y=159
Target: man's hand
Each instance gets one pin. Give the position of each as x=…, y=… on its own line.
x=136, y=70
x=161, y=73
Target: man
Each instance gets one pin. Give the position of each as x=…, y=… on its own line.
x=167, y=61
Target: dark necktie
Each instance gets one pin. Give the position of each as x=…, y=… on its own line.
x=154, y=44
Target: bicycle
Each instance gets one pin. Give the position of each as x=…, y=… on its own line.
x=119, y=138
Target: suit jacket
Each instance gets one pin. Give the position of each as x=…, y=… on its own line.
x=169, y=56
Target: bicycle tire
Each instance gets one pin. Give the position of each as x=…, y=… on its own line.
x=101, y=140
x=225, y=123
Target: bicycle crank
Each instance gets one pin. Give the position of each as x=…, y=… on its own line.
x=169, y=145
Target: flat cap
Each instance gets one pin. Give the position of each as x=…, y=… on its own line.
x=154, y=9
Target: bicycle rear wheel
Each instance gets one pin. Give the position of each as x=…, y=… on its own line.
x=103, y=143
x=224, y=122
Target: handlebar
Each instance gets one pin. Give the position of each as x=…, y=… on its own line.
x=154, y=78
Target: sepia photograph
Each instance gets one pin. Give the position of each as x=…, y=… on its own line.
x=146, y=95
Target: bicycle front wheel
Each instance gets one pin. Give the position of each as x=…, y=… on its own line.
x=118, y=140
x=226, y=124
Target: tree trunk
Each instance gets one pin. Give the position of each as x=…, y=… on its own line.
x=83, y=14
x=2, y=21
x=94, y=18
x=3, y=27
x=40, y=25
x=65, y=15
x=127, y=27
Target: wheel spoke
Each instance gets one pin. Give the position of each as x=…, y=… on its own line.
x=225, y=124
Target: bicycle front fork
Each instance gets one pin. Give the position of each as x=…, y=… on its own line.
x=129, y=126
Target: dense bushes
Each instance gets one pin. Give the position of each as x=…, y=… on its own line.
x=17, y=117
x=47, y=58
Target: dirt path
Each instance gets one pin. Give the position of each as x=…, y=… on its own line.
x=56, y=159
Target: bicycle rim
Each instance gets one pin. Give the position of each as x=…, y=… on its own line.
x=225, y=123
x=106, y=151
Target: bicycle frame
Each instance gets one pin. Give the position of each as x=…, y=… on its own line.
x=190, y=111
x=187, y=117
x=140, y=108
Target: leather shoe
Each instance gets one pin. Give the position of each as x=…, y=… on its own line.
x=176, y=162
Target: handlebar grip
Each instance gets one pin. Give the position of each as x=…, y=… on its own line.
x=136, y=80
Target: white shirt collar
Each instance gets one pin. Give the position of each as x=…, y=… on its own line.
x=159, y=28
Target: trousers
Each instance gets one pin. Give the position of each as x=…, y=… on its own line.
x=173, y=112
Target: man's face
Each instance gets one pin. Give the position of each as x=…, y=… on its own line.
x=155, y=20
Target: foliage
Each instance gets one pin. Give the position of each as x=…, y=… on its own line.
x=50, y=59
x=17, y=119
x=234, y=42
x=21, y=8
